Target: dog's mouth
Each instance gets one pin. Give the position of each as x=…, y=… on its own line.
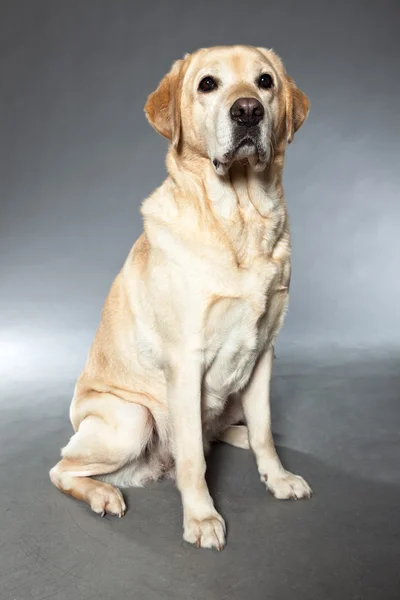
x=247, y=144
x=247, y=147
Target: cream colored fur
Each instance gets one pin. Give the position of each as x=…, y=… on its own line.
x=184, y=350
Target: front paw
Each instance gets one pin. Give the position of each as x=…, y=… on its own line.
x=208, y=532
x=287, y=485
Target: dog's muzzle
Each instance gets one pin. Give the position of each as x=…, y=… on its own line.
x=246, y=114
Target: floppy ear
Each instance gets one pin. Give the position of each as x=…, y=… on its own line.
x=297, y=107
x=163, y=106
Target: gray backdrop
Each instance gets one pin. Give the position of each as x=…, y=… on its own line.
x=77, y=158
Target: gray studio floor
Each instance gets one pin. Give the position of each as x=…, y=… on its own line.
x=336, y=421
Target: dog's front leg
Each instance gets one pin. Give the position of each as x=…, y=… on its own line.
x=256, y=406
x=202, y=524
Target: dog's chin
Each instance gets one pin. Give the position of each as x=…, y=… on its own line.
x=247, y=151
x=247, y=148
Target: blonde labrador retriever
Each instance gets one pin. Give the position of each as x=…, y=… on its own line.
x=184, y=350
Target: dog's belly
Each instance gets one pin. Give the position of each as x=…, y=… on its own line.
x=237, y=333
x=236, y=337
x=231, y=368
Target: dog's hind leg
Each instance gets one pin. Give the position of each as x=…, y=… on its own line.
x=235, y=435
x=102, y=444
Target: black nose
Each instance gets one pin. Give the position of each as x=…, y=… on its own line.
x=247, y=111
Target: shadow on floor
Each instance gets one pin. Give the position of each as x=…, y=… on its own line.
x=342, y=544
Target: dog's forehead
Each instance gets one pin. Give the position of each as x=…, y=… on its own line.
x=234, y=59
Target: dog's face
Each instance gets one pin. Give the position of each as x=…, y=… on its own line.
x=228, y=103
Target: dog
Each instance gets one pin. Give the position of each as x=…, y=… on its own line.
x=184, y=350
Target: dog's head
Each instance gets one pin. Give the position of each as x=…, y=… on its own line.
x=228, y=103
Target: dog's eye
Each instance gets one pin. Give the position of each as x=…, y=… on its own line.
x=266, y=82
x=207, y=84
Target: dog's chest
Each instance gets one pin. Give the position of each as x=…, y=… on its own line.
x=238, y=330
x=247, y=312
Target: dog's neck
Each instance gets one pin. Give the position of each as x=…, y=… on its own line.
x=246, y=206
x=239, y=189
